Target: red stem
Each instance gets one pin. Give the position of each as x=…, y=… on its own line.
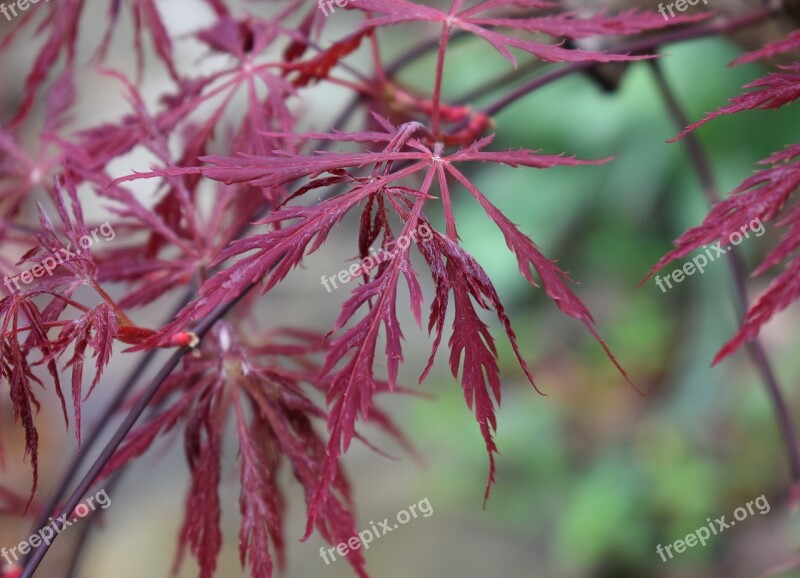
x=437, y=89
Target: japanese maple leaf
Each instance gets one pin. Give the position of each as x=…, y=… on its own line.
x=783, y=46
x=262, y=382
x=472, y=348
x=565, y=24
x=96, y=329
x=767, y=196
x=773, y=91
x=268, y=257
x=16, y=370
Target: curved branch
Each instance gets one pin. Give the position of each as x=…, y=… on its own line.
x=638, y=46
x=755, y=348
x=130, y=420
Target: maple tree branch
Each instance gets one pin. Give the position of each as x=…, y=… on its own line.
x=497, y=83
x=638, y=46
x=758, y=355
x=94, y=436
x=130, y=420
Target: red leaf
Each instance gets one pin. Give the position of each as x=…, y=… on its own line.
x=774, y=91
x=565, y=25
x=318, y=67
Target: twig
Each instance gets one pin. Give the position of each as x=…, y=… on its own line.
x=755, y=348
x=126, y=426
x=94, y=436
x=638, y=46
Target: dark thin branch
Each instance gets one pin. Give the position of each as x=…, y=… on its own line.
x=91, y=440
x=127, y=425
x=755, y=348
x=499, y=82
x=638, y=46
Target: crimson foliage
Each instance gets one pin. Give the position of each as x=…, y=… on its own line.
x=220, y=169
